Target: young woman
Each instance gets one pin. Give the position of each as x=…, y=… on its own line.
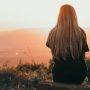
x=68, y=44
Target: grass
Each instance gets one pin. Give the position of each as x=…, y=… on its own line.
x=24, y=76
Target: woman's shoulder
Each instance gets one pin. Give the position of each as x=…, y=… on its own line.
x=82, y=31
x=52, y=30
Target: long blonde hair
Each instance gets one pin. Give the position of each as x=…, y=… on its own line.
x=66, y=38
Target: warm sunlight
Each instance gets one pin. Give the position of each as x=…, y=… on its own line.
x=41, y=49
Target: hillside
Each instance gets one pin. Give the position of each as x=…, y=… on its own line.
x=23, y=44
x=27, y=45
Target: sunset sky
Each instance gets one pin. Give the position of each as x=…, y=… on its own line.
x=39, y=13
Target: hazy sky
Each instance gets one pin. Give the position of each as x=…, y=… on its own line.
x=39, y=13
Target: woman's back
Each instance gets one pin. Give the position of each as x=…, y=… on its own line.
x=68, y=45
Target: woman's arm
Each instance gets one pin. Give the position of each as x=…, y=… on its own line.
x=87, y=55
x=85, y=45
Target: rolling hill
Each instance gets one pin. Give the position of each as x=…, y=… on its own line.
x=26, y=45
